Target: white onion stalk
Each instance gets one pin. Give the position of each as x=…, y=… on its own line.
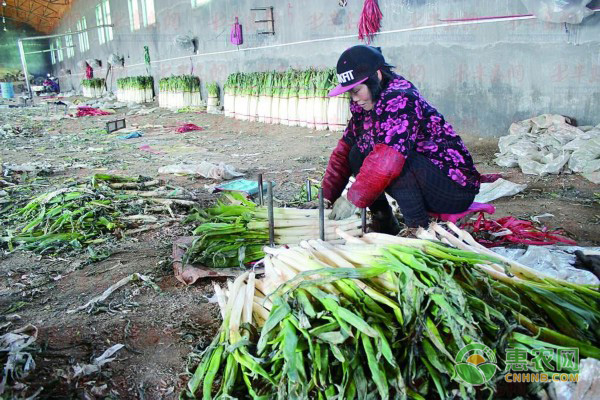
x=302, y=100
x=283, y=100
x=292, y=108
x=228, y=97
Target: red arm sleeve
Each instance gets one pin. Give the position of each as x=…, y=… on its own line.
x=379, y=169
x=337, y=173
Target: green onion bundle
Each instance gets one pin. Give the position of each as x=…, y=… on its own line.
x=234, y=231
x=212, y=103
x=304, y=91
x=310, y=98
x=136, y=89
x=265, y=98
x=93, y=87
x=380, y=317
x=338, y=107
x=253, y=93
x=277, y=82
x=179, y=91
x=229, y=91
x=213, y=89
x=321, y=99
x=292, y=108
x=284, y=97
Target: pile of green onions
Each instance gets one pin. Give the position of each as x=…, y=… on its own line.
x=65, y=218
x=73, y=217
x=382, y=317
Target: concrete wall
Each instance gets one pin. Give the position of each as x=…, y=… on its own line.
x=481, y=77
x=38, y=64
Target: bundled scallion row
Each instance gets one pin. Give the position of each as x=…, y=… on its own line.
x=384, y=317
x=93, y=87
x=179, y=91
x=292, y=97
x=136, y=89
x=234, y=232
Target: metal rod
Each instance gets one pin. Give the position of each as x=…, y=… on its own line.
x=24, y=65
x=261, y=200
x=270, y=213
x=321, y=215
x=363, y=218
x=49, y=50
x=308, y=190
x=67, y=34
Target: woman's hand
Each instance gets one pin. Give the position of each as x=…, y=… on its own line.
x=342, y=209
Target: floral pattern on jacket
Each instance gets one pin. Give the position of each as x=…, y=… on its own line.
x=405, y=121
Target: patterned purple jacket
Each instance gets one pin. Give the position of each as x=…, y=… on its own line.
x=405, y=121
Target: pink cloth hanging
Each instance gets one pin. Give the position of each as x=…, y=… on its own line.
x=89, y=72
x=236, y=36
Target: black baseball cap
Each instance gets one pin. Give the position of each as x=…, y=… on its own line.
x=356, y=65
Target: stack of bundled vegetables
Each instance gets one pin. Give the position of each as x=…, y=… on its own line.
x=242, y=98
x=265, y=97
x=212, y=103
x=294, y=98
x=179, y=91
x=235, y=231
x=321, y=100
x=229, y=92
x=384, y=317
x=309, y=116
x=253, y=97
x=284, y=97
x=93, y=87
x=303, y=88
x=135, y=89
x=338, y=109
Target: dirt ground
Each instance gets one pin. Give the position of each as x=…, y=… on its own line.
x=160, y=328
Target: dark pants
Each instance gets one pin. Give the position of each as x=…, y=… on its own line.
x=421, y=187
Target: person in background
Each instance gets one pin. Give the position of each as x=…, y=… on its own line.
x=395, y=143
x=51, y=84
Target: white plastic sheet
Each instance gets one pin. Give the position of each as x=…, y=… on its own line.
x=559, y=11
x=548, y=144
x=556, y=261
x=499, y=188
x=586, y=388
x=205, y=169
x=106, y=357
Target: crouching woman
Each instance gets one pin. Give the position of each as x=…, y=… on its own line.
x=395, y=143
